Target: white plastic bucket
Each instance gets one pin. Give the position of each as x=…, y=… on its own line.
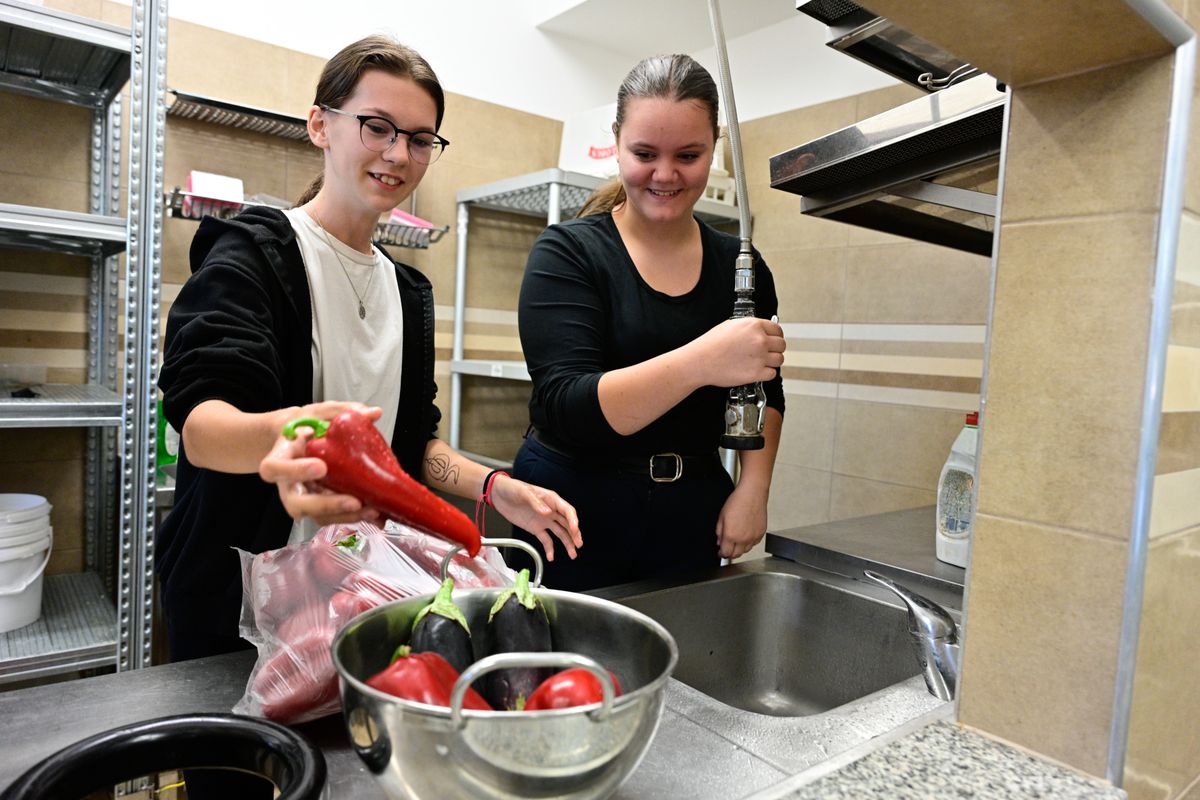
x=17, y=508
x=36, y=534
x=12, y=535
x=21, y=570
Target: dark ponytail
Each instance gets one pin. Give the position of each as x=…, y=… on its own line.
x=342, y=73
x=675, y=77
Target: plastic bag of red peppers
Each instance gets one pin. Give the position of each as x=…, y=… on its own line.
x=297, y=597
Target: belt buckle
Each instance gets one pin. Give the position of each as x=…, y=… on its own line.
x=678, y=467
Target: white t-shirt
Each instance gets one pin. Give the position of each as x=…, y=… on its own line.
x=353, y=358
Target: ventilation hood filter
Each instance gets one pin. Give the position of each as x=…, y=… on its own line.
x=925, y=170
x=876, y=41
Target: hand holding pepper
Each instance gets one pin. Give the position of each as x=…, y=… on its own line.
x=296, y=475
x=360, y=462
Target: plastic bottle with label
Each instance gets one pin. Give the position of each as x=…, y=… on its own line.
x=956, y=496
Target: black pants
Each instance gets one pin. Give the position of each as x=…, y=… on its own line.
x=633, y=528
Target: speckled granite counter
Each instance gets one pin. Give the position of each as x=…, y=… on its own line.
x=944, y=760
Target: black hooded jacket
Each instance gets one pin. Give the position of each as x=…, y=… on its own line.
x=241, y=331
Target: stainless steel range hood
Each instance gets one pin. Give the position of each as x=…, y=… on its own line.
x=878, y=42
x=925, y=170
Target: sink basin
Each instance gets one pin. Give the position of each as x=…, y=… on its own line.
x=783, y=644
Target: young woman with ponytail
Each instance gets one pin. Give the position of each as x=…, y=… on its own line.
x=624, y=321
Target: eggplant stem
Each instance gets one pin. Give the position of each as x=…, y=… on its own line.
x=444, y=606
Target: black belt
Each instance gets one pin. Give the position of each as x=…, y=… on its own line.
x=660, y=467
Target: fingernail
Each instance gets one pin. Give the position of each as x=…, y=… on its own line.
x=349, y=505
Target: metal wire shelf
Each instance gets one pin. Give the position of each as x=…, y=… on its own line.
x=185, y=205
x=248, y=118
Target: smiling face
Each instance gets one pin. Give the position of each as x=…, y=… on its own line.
x=357, y=178
x=664, y=150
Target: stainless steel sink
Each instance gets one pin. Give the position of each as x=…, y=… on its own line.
x=780, y=643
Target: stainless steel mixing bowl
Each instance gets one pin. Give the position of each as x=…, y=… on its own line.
x=424, y=752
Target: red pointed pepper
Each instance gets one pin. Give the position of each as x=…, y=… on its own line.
x=361, y=464
x=569, y=688
x=423, y=678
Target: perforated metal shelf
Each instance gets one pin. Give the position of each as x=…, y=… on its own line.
x=46, y=53
x=58, y=405
x=530, y=195
x=232, y=115
x=76, y=631
x=32, y=228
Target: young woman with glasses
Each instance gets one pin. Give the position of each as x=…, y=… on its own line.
x=624, y=322
x=297, y=314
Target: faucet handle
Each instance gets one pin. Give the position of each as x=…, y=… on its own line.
x=925, y=617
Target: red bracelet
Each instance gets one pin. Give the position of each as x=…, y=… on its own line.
x=486, y=497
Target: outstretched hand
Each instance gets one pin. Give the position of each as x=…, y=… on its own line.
x=540, y=511
x=296, y=476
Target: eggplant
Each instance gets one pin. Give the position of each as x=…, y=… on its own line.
x=441, y=628
x=517, y=624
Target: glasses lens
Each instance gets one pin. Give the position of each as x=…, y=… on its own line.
x=424, y=147
x=377, y=135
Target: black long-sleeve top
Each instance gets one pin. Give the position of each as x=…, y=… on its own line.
x=585, y=310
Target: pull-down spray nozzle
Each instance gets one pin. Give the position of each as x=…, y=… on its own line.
x=745, y=405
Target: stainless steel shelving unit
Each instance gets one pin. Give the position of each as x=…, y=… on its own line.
x=102, y=616
x=549, y=194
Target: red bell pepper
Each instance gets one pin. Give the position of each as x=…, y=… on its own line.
x=360, y=463
x=423, y=678
x=569, y=688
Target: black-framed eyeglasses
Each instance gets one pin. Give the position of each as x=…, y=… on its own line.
x=378, y=134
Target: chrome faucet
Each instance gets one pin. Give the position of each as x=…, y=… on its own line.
x=935, y=635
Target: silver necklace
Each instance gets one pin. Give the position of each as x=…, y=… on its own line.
x=362, y=308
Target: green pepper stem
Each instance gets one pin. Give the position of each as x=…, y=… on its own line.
x=319, y=427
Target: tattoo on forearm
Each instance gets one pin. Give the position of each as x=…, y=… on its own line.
x=441, y=469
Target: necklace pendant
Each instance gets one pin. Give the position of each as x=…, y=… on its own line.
x=362, y=311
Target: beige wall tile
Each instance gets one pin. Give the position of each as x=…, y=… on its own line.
x=495, y=416
x=810, y=284
x=799, y=496
x=860, y=497
x=1065, y=381
x=1164, y=748
x=1055, y=39
x=868, y=104
x=1043, y=622
x=214, y=64
x=769, y=136
x=808, y=432
x=779, y=225
x=916, y=283
x=64, y=195
x=48, y=462
x=84, y=8
x=44, y=138
x=904, y=445
x=1091, y=144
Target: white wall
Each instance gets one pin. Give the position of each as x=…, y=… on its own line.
x=495, y=51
